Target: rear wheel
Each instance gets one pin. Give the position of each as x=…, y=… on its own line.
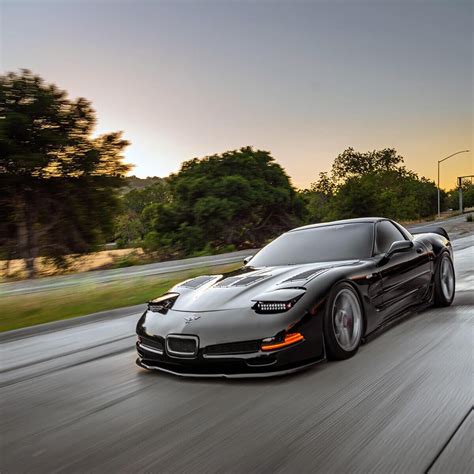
x=343, y=324
x=444, y=282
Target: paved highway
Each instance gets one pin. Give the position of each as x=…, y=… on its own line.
x=73, y=400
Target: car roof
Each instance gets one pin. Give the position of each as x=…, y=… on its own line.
x=359, y=220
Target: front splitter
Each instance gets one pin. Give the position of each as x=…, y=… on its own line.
x=140, y=363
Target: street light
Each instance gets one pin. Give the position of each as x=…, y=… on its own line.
x=440, y=161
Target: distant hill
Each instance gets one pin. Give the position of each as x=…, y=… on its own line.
x=134, y=182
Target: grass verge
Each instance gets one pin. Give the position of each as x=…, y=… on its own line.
x=37, y=308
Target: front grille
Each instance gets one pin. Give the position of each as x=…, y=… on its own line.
x=245, y=347
x=182, y=345
x=155, y=343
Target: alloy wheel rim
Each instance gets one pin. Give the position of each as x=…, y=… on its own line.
x=347, y=319
x=447, y=278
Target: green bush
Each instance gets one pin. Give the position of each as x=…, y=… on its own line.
x=370, y=184
x=151, y=242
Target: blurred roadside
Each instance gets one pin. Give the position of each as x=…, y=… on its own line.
x=16, y=269
x=12, y=270
x=61, y=302
x=31, y=302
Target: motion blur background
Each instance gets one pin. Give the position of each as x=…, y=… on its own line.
x=153, y=141
x=297, y=112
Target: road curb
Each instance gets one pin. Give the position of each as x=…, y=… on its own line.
x=71, y=322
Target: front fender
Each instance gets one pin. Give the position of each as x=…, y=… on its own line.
x=365, y=280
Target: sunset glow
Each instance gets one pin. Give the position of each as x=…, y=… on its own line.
x=304, y=80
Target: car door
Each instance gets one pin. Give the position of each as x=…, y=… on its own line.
x=406, y=276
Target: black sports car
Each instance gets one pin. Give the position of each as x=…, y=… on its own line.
x=315, y=292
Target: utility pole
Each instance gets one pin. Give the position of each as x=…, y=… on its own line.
x=460, y=195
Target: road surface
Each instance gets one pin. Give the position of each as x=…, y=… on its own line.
x=73, y=401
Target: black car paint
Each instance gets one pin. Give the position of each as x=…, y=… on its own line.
x=220, y=315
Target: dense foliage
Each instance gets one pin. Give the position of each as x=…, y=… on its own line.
x=467, y=196
x=60, y=188
x=242, y=198
x=370, y=184
x=239, y=198
x=57, y=181
x=139, y=205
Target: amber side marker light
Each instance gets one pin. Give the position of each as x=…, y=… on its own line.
x=289, y=339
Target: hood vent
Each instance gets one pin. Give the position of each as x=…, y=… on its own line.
x=197, y=282
x=227, y=282
x=250, y=280
x=307, y=275
x=239, y=281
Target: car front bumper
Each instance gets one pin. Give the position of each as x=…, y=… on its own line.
x=254, y=364
x=219, y=348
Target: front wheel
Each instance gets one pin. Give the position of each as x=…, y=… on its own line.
x=444, y=282
x=343, y=322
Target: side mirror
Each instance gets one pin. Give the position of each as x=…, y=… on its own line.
x=247, y=259
x=399, y=246
x=396, y=247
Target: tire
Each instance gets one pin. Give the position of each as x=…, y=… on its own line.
x=343, y=322
x=444, y=282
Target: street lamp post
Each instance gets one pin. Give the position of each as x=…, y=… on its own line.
x=440, y=161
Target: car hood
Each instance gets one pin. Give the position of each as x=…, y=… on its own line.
x=238, y=289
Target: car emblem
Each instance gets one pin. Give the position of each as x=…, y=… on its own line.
x=190, y=319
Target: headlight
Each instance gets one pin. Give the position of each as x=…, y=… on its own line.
x=277, y=301
x=268, y=307
x=163, y=303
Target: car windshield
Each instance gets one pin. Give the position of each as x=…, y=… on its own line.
x=318, y=244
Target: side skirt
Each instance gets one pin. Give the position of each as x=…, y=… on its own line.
x=397, y=319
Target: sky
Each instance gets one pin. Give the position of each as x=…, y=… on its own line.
x=302, y=79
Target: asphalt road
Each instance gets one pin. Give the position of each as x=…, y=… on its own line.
x=74, y=401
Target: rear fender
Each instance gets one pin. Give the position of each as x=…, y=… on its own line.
x=435, y=242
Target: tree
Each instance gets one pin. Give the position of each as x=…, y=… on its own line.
x=239, y=198
x=137, y=200
x=351, y=163
x=57, y=181
x=370, y=184
x=319, y=198
x=396, y=194
x=452, y=200
x=138, y=211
